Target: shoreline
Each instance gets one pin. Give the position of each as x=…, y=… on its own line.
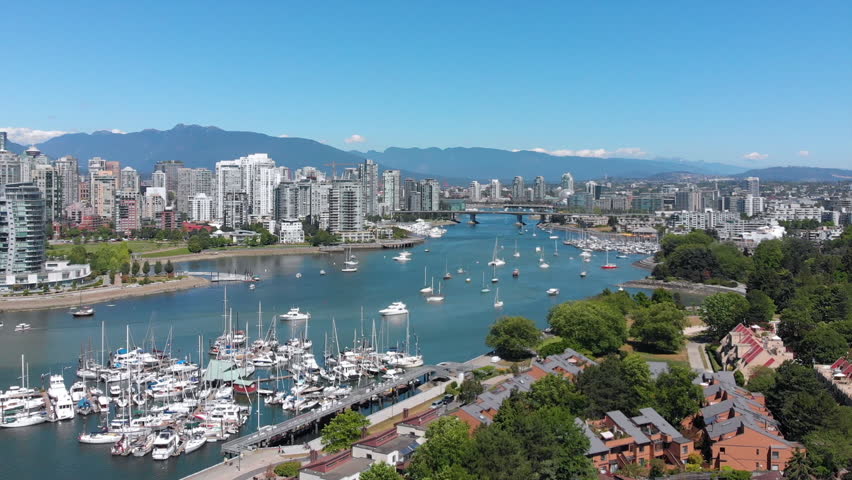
x=98, y=295
x=682, y=286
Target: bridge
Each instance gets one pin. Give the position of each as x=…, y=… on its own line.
x=288, y=429
x=221, y=276
x=454, y=214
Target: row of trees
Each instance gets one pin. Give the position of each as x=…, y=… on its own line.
x=700, y=257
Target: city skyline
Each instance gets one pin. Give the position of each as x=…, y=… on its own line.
x=588, y=80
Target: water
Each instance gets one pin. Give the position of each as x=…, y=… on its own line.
x=452, y=331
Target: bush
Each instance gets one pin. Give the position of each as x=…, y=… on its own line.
x=287, y=469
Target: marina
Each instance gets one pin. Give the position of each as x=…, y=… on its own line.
x=450, y=330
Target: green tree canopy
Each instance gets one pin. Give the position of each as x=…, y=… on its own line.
x=77, y=255
x=611, y=385
x=675, y=395
x=822, y=345
x=343, y=430
x=447, y=446
x=513, y=337
x=722, y=312
x=761, y=308
x=470, y=389
x=556, y=391
x=660, y=326
x=380, y=471
x=589, y=325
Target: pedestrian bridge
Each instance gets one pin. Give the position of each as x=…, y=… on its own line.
x=455, y=214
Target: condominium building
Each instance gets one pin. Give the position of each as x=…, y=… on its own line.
x=22, y=220
x=539, y=189
x=567, y=182
x=518, y=189
x=192, y=181
x=391, y=191
x=102, y=197
x=345, y=209
x=368, y=175
x=68, y=169
x=48, y=182
x=430, y=195
x=129, y=180
x=170, y=168
x=201, y=208
x=128, y=211
x=496, y=189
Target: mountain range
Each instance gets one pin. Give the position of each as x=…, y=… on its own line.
x=199, y=146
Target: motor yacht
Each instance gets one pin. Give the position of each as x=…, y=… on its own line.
x=165, y=445
x=295, y=315
x=83, y=312
x=553, y=292
x=395, y=308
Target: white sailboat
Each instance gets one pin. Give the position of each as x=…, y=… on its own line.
x=497, y=302
x=485, y=288
x=427, y=288
x=494, y=278
x=495, y=260
x=542, y=263
x=438, y=298
x=517, y=254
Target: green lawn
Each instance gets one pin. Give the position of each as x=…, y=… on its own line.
x=135, y=246
x=548, y=341
x=167, y=253
x=679, y=358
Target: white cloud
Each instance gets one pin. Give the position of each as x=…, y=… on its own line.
x=804, y=153
x=283, y=135
x=29, y=136
x=594, y=152
x=355, y=138
x=756, y=156
x=115, y=130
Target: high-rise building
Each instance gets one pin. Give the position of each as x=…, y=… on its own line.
x=368, y=175
x=2, y=141
x=128, y=211
x=22, y=220
x=170, y=168
x=96, y=164
x=567, y=182
x=287, y=201
x=430, y=195
x=496, y=189
x=391, y=191
x=10, y=167
x=48, y=182
x=113, y=167
x=540, y=189
x=192, y=181
x=688, y=200
x=129, y=180
x=475, y=191
x=102, y=195
x=518, y=189
x=159, y=179
x=84, y=191
x=254, y=177
x=410, y=188
x=753, y=186
x=345, y=208
x=68, y=170
x=201, y=208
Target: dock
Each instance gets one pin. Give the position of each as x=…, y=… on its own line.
x=288, y=429
x=221, y=276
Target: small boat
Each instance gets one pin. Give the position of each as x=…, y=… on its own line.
x=583, y=274
x=542, y=263
x=21, y=327
x=295, y=315
x=467, y=280
x=516, y=273
x=460, y=270
x=495, y=260
x=395, y=308
x=194, y=443
x=447, y=275
x=485, y=288
x=24, y=420
x=299, y=275
x=99, y=438
x=349, y=269
x=497, y=302
x=517, y=254
x=251, y=286
x=607, y=265
x=621, y=255
x=426, y=250
x=322, y=272
x=83, y=312
x=553, y=292
x=426, y=287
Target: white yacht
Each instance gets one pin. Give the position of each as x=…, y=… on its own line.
x=24, y=420
x=553, y=292
x=194, y=443
x=165, y=445
x=395, y=308
x=349, y=269
x=78, y=391
x=63, y=408
x=57, y=387
x=21, y=327
x=295, y=315
x=99, y=438
x=403, y=257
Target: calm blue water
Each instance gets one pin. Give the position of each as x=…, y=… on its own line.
x=452, y=331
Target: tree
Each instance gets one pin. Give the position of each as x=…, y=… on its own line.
x=553, y=348
x=660, y=327
x=761, y=308
x=158, y=268
x=722, y=312
x=447, y=446
x=661, y=295
x=343, y=430
x=798, y=467
x=822, y=345
x=77, y=255
x=380, y=471
x=135, y=268
x=125, y=268
x=288, y=469
x=695, y=263
x=513, y=337
x=470, y=389
x=146, y=268
x=556, y=391
x=762, y=379
x=675, y=396
x=169, y=268
x=589, y=325
x=195, y=244
x=610, y=385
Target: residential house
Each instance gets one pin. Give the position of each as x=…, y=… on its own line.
x=745, y=349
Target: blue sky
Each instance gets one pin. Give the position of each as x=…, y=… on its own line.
x=750, y=83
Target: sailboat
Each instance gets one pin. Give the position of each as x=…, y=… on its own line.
x=582, y=272
x=517, y=254
x=350, y=264
x=542, y=263
x=436, y=298
x=607, y=265
x=495, y=261
x=494, y=278
x=426, y=287
x=555, y=249
x=485, y=288
x=497, y=302
x=447, y=274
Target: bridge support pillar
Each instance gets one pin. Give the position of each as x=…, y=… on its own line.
x=521, y=220
x=473, y=219
x=454, y=218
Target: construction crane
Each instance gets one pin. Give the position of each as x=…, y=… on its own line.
x=333, y=166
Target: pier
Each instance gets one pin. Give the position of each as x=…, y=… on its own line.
x=286, y=430
x=221, y=276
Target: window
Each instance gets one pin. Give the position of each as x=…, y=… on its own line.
x=603, y=457
x=370, y=456
x=775, y=455
x=774, y=468
x=684, y=449
x=641, y=448
x=757, y=452
x=722, y=450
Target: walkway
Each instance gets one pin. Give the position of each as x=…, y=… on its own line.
x=253, y=463
x=695, y=350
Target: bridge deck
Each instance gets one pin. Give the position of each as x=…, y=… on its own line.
x=298, y=423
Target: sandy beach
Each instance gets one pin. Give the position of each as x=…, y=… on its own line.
x=97, y=295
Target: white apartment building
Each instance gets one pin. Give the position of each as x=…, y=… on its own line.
x=290, y=231
x=201, y=208
x=475, y=191
x=392, y=191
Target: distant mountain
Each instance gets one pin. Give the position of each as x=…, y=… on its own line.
x=483, y=163
x=195, y=145
x=800, y=174
x=199, y=146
